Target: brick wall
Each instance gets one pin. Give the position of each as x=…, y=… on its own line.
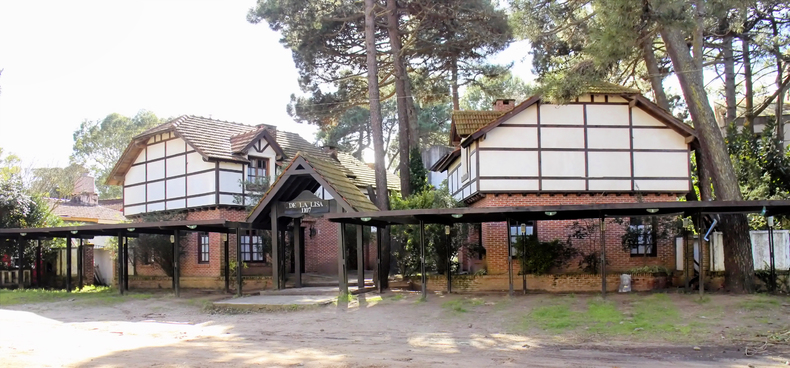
x=550, y=283
x=87, y=264
x=495, y=234
x=186, y=282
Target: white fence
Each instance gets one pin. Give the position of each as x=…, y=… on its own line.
x=760, y=250
x=11, y=278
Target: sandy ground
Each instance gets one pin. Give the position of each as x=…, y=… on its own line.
x=393, y=332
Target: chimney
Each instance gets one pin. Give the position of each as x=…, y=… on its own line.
x=504, y=104
x=85, y=191
x=330, y=150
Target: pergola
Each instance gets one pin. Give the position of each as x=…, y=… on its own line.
x=131, y=230
x=450, y=216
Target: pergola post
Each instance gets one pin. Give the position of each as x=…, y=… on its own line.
x=226, y=265
x=509, y=259
x=342, y=272
x=603, y=257
x=79, y=265
x=771, y=253
x=297, y=244
x=422, y=261
x=379, y=276
x=360, y=259
x=21, y=274
x=38, y=268
x=448, y=245
x=239, y=262
x=120, y=262
x=126, y=263
x=275, y=249
x=176, y=263
x=68, y=264
x=701, y=259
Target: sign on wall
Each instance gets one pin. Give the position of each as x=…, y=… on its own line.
x=305, y=203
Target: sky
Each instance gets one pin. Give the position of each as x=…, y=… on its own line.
x=67, y=62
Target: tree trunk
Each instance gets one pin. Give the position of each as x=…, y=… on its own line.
x=780, y=127
x=382, y=196
x=739, y=274
x=414, y=129
x=656, y=79
x=729, y=80
x=748, y=121
x=454, y=84
x=400, y=94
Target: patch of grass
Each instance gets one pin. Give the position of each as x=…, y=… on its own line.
x=554, y=318
x=650, y=316
x=376, y=298
x=702, y=300
x=463, y=305
x=89, y=295
x=397, y=297
x=759, y=302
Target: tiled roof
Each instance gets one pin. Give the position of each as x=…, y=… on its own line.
x=468, y=122
x=351, y=193
x=66, y=210
x=609, y=88
x=222, y=140
x=363, y=174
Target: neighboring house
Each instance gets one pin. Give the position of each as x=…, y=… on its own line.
x=83, y=208
x=759, y=120
x=610, y=145
x=205, y=169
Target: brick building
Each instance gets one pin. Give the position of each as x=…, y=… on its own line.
x=194, y=168
x=610, y=145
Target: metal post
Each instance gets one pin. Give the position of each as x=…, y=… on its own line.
x=297, y=240
x=342, y=272
x=226, y=238
x=422, y=261
x=120, y=263
x=701, y=243
x=275, y=248
x=239, y=262
x=126, y=263
x=772, y=261
x=603, y=257
x=68, y=264
x=21, y=265
x=283, y=271
x=80, y=265
x=176, y=263
x=524, y=260
x=39, y=269
x=509, y=259
x=447, y=230
x=379, y=283
x=360, y=259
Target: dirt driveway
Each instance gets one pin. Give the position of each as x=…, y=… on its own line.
x=399, y=330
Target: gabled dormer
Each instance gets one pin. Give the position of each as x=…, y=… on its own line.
x=609, y=140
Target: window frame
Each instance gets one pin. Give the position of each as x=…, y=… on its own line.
x=247, y=254
x=646, y=238
x=532, y=230
x=203, y=239
x=252, y=167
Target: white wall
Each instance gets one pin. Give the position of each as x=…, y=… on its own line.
x=581, y=147
x=760, y=250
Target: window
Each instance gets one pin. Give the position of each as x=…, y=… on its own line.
x=516, y=233
x=252, y=248
x=258, y=169
x=203, y=248
x=641, y=238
